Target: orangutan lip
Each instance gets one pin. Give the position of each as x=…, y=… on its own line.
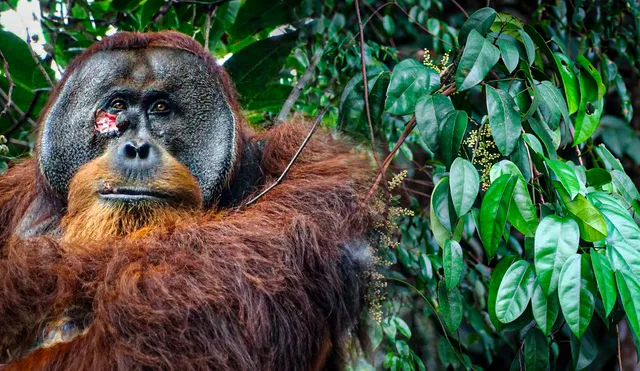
x=132, y=194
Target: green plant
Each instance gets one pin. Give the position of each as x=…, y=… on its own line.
x=509, y=235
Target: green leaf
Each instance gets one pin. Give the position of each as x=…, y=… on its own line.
x=623, y=238
x=353, y=117
x=509, y=54
x=590, y=109
x=258, y=64
x=410, y=81
x=534, y=93
x=464, y=185
x=555, y=241
x=426, y=270
x=431, y=111
x=550, y=138
x=494, y=211
x=504, y=119
x=478, y=58
x=22, y=67
x=629, y=290
x=494, y=284
x=609, y=160
x=515, y=291
x=440, y=201
x=590, y=220
x=389, y=25
x=480, y=21
x=598, y=177
x=584, y=351
x=569, y=81
x=605, y=279
x=402, y=326
x=543, y=48
x=595, y=75
x=566, y=175
x=403, y=349
x=552, y=105
x=503, y=167
x=451, y=134
x=536, y=351
x=450, y=307
x=545, y=309
x=577, y=293
x=520, y=157
x=530, y=49
x=452, y=263
x=522, y=212
x=624, y=186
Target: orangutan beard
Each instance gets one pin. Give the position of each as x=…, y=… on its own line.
x=91, y=217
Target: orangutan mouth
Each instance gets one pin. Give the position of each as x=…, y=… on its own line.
x=132, y=194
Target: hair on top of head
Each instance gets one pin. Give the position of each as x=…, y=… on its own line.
x=165, y=39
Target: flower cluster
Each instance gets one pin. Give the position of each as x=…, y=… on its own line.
x=485, y=151
x=444, y=62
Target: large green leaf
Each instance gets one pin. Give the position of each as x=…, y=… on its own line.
x=452, y=263
x=258, y=65
x=590, y=110
x=552, y=105
x=624, y=186
x=536, y=351
x=566, y=175
x=430, y=113
x=520, y=157
x=522, y=212
x=569, y=81
x=515, y=291
x=509, y=53
x=441, y=203
x=629, y=290
x=22, y=67
x=530, y=49
x=545, y=309
x=605, y=279
x=409, y=82
x=591, y=222
x=550, y=138
x=450, y=307
x=577, y=293
x=555, y=241
x=464, y=185
x=480, y=21
x=494, y=284
x=451, y=134
x=504, y=119
x=494, y=211
x=609, y=160
x=478, y=58
x=352, y=111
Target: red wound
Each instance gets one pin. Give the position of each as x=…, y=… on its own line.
x=106, y=122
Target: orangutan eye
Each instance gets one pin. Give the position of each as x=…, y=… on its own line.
x=118, y=104
x=160, y=107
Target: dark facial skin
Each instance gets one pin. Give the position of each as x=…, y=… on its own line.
x=163, y=99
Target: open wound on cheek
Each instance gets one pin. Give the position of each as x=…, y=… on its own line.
x=106, y=122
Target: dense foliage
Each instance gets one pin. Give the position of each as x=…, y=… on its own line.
x=509, y=230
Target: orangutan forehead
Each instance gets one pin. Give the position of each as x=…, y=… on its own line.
x=165, y=68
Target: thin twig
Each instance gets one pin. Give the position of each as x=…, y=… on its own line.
x=619, y=347
x=461, y=8
x=297, y=90
x=5, y=67
x=207, y=28
x=37, y=60
x=405, y=133
x=293, y=159
x=366, y=86
x=15, y=107
x=371, y=16
x=163, y=10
